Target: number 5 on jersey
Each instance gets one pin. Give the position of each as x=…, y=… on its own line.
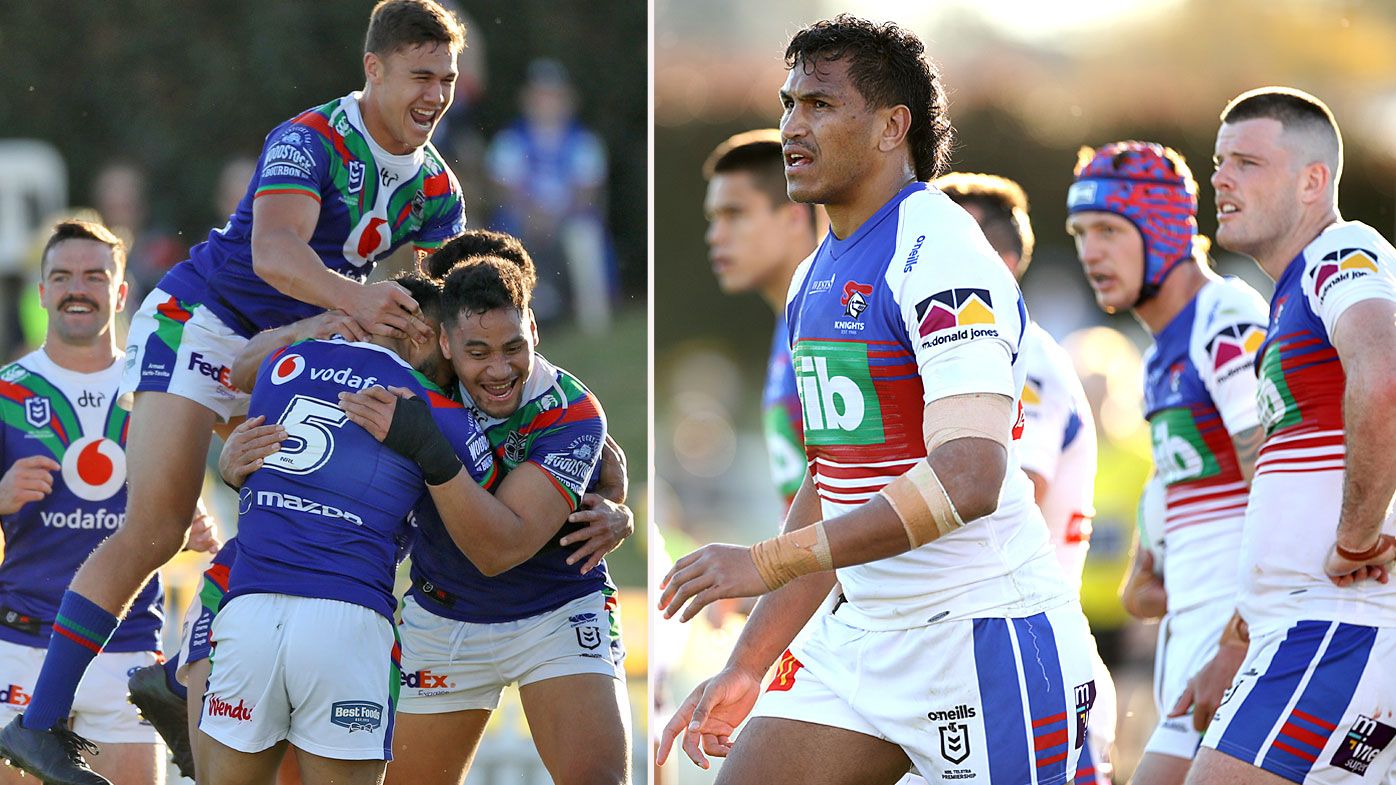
x=309, y=439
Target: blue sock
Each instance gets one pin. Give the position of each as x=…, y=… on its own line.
x=79, y=633
x=171, y=667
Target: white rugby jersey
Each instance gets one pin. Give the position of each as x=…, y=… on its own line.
x=912, y=307
x=1297, y=492
x=1059, y=444
x=1199, y=389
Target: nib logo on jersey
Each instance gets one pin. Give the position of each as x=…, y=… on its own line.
x=292, y=366
x=837, y=395
x=1230, y=348
x=1340, y=266
x=956, y=315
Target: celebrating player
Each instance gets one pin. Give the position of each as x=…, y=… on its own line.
x=1307, y=705
x=958, y=647
x=1132, y=211
x=321, y=526
x=494, y=602
x=756, y=238
x=63, y=491
x=1058, y=445
x=337, y=187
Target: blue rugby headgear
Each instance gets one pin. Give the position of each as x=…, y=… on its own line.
x=1149, y=185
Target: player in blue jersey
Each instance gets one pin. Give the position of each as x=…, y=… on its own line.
x=494, y=602
x=322, y=525
x=1309, y=701
x=62, y=491
x=756, y=238
x=1133, y=215
x=337, y=188
x=959, y=648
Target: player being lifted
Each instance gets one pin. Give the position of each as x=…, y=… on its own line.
x=1309, y=705
x=756, y=238
x=494, y=602
x=1132, y=211
x=63, y=490
x=959, y=648
x=1058, y=445
x=337, y=187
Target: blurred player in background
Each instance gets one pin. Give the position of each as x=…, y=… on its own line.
x=337, y=187
x=756, y=238
x=1058, y=446
x=1311, y=703
x=905, y=329
x=1133, y=214
x=63, y=491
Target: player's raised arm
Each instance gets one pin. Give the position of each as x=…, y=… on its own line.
x=244, y=374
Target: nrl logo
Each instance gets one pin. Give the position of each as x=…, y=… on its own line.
x=588, y=637
x=37, y=411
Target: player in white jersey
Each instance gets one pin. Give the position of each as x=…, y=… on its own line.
x=1058, y=446
x=959, y=648
x=1312, y=702
x=1133, y=214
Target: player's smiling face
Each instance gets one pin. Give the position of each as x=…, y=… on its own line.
x=407, y=93
x=81, y=290
x=492, y=353
x=829, y=134
x=1257, y=182
x=1111, y=251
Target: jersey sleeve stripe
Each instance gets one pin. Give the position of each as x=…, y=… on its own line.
x=566, y=492
x=286, y=188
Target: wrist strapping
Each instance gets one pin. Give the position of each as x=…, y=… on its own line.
x=782, y=559
x=922, y=504
x=413, y=434
x=1383, y=541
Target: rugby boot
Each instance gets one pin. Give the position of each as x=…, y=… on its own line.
x=53, y=755
x=166, y=711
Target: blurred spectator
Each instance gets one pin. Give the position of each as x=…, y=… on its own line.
x=550, y=173
x=458, y=137
x=33, y=185
x=118, y=193
x=232, y=186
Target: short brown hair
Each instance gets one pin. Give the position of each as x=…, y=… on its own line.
x=399, y=24
x=1005, y=207
x=1295, y=110
x=73, y=229
x=758, y=153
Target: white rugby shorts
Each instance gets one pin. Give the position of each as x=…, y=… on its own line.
x=982, y=700
x=320, y=673
x=100, y=709
x=180, y=347
x=450, y=665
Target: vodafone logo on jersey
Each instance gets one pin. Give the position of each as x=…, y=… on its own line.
x=94, y=468
x=287, y=368
x=369, y=240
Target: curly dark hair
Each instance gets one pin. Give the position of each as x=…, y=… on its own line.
x=888, y=65
x=483, y=283
x=481, y=242
x=425, y=291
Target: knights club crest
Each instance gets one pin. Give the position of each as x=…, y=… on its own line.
x=37, y=411
x=954, y=742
